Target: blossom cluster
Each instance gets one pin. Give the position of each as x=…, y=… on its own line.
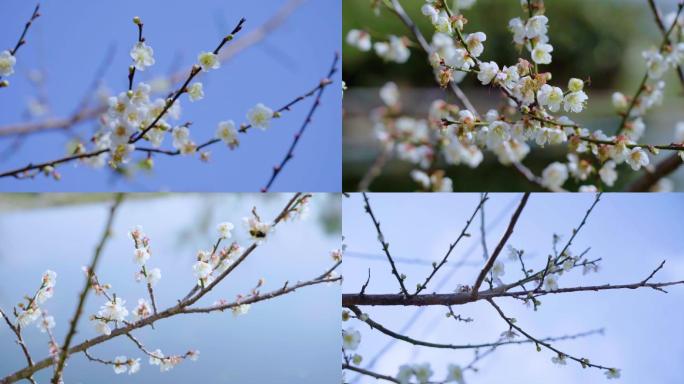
x=136, y=114
x=32, y=311
x=533, y=114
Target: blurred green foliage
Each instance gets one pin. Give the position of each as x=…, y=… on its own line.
x=590, y=39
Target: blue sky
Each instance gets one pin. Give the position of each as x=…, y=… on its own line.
x=298, y=340
x=71, y=39
x=632, y=233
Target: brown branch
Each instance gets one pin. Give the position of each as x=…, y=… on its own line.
x=22, y=37
x=290, y=152
x=64, y=352
x=512, y=324
x=436, y=267
x=20, y=341
x=466, y=297
x=509, y=231
x=369, y=373
x=385, y=245
x=376, y=169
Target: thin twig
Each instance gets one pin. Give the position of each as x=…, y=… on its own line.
x=64, y=352
x=499, y=247
x=290, y=152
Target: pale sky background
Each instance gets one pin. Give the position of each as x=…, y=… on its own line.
x=294, y=338
x=644, y=335
x=71, y=39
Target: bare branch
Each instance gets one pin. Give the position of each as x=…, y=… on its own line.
x=509, y=231
x=385, y=245
x=64, y=353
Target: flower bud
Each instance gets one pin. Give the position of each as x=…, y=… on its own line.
x=575, y=85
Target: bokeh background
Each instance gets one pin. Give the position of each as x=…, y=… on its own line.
x=632, y=233
x=72, y=39
x=294, y=338
x=597, y=40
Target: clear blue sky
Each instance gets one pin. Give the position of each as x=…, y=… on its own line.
x=71, y=38
x=632, y=233
x=296, y=339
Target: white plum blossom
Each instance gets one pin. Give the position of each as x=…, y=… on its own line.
x=620, y=102
x=208, y=61
x=102, y=328
x=359, y=39
x=196, y=91
x=46, y=323
x=541, y=54
x=239, y=310
x=224, y=230
x=227, y=133
x=7, y=62
x=517, y=26
x=555, y=175
x=260, y=116
x=389, y=93
x=142, y=55
x=29, y=315
x=257, y=229
x=133, y=366
x=351, y=339
x=474, y=43
x=394, y=50
x=113, y=310
x=487, y=72
x=120, y=364
x=608, y=173
x=551, y=97
x=455, y=374
x=142, y=310
x=153, y=276
x=536, y=27
x=141, y=255
x=575, y=101
x=637, y=158
x=202, y=271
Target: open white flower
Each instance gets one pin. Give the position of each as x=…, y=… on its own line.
x=257, y=229
x=541, y=54
x=120, y=364
x=575, y=101
x=224, y=230
x=46, y=323
x=350, y=339
x=241, y=309
x=102, y=328
x=227, y=133
x=196, y=91
x=359, y=39
x=395, y=50
x=474, y=43
x=555, y=175
x=114, y=310
x=637, y=158
x=133, y=366
x=7, y=62
x=202, y=269
x=142, y=55
x=260, y=116
x=608, y=173
x=551, y=97
x=142, y=310
x=141, y=256
x=487, y=72
x=153, y=276
x=208, y=60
